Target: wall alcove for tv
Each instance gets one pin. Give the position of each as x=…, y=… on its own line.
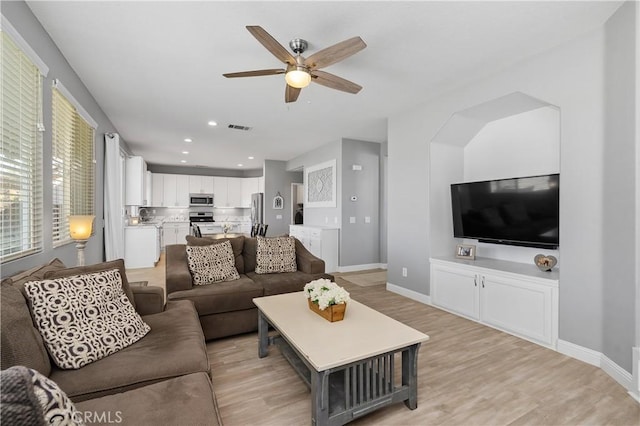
x=511, y=136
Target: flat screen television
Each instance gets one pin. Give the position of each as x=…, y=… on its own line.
x=521, y=211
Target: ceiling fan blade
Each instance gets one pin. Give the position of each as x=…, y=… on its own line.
x=271, y=44
x=334, y=82
x=335, y=53
x=255, y=73
x=291, y=94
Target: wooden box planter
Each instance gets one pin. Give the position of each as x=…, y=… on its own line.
x=332, y=313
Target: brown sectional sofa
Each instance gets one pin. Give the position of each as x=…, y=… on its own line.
x=227, y=308
x=164, y=378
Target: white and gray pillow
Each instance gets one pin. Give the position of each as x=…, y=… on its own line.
x=275, y=255
x=83, y=318
x=212, y=264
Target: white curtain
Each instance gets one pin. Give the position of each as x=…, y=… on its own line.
x=113, y=208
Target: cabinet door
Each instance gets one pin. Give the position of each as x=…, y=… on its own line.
x=157, y=189
x=182, y=190
x=169, y=191
x=517, y=306
x=135, y=181
x=207, y=184
x=220, y=191
x=148, y=189
x=234, y=192
x=249, y=186
x=455, y=290
x=195, y=185
x=182, y=231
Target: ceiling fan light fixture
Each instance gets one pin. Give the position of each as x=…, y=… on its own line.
x=298, y=77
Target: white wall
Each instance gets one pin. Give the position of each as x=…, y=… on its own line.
x=569, y=76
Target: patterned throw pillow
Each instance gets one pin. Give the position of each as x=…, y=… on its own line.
x=212, y=264
x=56, y=405
x=275, y=255
x=83, y=318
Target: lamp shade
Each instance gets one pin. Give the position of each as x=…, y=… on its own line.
x=80, y=226
x=298, y=77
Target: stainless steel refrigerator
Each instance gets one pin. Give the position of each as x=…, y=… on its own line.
x=257, y=207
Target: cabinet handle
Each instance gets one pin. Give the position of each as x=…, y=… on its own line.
x=475, y=281
x=483, y=281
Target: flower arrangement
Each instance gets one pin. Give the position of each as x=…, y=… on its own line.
x=325, y=293
x=226, y=227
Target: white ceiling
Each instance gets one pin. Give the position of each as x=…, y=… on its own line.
x=156, y=67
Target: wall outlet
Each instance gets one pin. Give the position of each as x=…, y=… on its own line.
x=278, y=216
x=326, y=219
x=352, y=219
x=404, y=272
x=367, y=219
x=153, y=211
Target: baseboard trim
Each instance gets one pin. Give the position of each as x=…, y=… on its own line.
x=355, y=268
x=597, y=359
x=414, y=295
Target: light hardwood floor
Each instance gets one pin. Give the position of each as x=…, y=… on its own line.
x=468, y=374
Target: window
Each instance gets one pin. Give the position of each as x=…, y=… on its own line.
x=72, y=162
x=21, y=147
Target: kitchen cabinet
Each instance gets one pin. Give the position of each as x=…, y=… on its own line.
x=149, y=188
x=170, y=190
x=200, y=184
x=141, y=246
x=135, y=182
x=227, y=192
x=322, y=242
x=515, y=298
x=174, y=233
x=249, y=186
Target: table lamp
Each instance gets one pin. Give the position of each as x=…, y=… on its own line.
x=80, y=227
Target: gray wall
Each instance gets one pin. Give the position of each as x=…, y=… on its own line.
x=572, y=77
x=278, y=179
x=620, y=210
x=20, y=16
x=360, y=241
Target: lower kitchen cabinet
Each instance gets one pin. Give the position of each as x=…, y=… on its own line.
x=321, y=242
x=512, y=297
x=141, y=246
x=174, y=233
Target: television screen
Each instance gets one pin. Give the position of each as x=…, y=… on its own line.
x=519, y=211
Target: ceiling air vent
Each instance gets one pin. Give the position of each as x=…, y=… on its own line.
x=239, y=127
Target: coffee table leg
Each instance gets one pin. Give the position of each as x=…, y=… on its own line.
x=410, y=374
x=263, y=335
x=319, y=398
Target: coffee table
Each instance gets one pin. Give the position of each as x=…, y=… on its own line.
x=349, y=365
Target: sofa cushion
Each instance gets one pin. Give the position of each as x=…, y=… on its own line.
x=275, y=255
x=237, y=243
x=21, y=342
x=18, y=401
x=285, y=282
x=211, y=264
x=98, y=267
x=36, y=273
x=56, y=406
x=83, y=318
x=222, y=297
x=174, y=347
x=184, y=400
x=249, y=254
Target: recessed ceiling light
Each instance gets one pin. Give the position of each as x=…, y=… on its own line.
x=250, y=158
x=183, y=161
x=185, y=152
x=212, y=123
x=239, y=164
x=188, y=140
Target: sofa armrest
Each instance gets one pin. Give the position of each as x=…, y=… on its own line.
x=149, y=300
x=177, y=274
x=307, y=262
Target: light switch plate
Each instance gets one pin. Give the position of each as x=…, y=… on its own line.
x=352, y=219
x=367, y=219
x=278, y=216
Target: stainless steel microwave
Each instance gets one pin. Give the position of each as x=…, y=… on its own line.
x=201, y=200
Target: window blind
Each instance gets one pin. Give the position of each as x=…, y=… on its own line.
x=20, y=153
x=72, y=165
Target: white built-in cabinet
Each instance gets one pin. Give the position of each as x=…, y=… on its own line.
x=141, y=246
x=200, y=184
x=174, y=233
x=513, y=297
x=135, y=182
x=169, y=190
x=320, y=241
x=249, y=186
x=233, y=192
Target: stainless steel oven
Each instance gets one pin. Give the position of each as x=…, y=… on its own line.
x=201, y=200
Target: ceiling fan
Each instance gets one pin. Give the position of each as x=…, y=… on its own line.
x=300, y=71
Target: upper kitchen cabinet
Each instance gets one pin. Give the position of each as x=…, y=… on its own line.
x=170, y=190
x=136, y=182
x=227, y=192
x=201, y=185
x=249, y=186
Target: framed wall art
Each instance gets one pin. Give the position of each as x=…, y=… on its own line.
x=278, y=202
x=320, y=185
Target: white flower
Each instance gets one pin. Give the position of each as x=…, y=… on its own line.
x=325, y=293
